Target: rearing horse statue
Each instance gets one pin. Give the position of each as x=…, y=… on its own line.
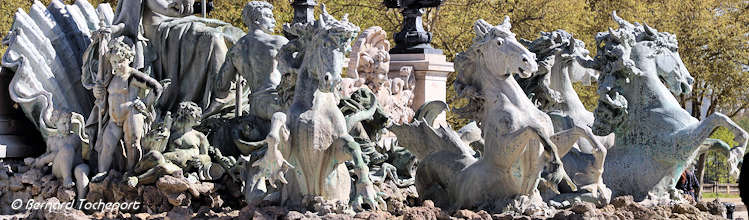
x=655, y=138
x=315, y=139
x=561, y=59
x=520, y=142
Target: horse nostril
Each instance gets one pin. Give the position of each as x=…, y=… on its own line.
x=525, y=60
x=685, y=88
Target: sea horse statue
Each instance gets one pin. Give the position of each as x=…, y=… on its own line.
x=520, y=143
x=312, y=137
x=656, y=139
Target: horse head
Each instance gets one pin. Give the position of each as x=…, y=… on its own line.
x=500, y=52
x=661, y=52
x=494, y=55
x=579, y=71
x=657, y=53
x=634, y=51
x=614, y=60
x=325, y=43
x=562, y=59
x=561, y=44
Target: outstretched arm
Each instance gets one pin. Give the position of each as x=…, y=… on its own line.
x=354, y=119
x=146, y=82
x=365, y=193
x=168, y=8
x=222, y=84
x=204, y=144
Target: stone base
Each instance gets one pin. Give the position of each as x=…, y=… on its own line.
x=12, y=146
x=430, y=70
x=17, y=140
x=415, y=50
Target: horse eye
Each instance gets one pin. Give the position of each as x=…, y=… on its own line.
x=499, y=43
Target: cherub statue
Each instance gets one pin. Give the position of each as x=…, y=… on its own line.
x=64, y=143
x=128, y=113
x=188, y=150
x=185, y=143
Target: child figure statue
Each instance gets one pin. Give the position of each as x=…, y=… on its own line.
x=64, y=146
x=188, y=150
x=128, y=113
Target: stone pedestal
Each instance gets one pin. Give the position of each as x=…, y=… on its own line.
x=431, y=72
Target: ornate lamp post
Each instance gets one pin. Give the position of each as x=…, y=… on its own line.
x=413, y=38
x=304, y=11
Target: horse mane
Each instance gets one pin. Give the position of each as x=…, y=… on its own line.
x=546, y=47
x=469, y=82
x=617, y=67
x=307, y=37
x=628, y=35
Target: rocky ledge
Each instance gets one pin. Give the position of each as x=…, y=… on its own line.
x=177, y=197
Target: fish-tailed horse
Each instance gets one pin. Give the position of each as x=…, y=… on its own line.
x=520, y=143
x=656, y=139
x=562, y=60
x=315, y=139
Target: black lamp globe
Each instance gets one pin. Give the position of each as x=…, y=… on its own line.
x=413, y=38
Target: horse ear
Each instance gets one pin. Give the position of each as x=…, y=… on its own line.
x=321, y=21
x=324, y=17
x=556, y=37
x=506, y=23
x=481, y=28
x=622, y=23
x=525, y=42
x=649, y=30
x=345, y=18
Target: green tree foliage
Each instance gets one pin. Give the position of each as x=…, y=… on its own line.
x=712, y=34
x=716, y=165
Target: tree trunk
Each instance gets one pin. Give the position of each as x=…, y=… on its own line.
x=700, y=174
x=700, y=169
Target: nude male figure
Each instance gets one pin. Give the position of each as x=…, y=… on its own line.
x=254, y=57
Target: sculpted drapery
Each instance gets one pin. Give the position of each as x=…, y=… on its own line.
x=172, y=44
x=169, y=44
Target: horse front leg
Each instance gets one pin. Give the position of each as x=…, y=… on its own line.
x=554, y=167
x=734, y=155
x=700, y=132
x=566, y=139
x=514, y=146
x=690, y=139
